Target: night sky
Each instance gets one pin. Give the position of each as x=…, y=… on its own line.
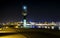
x=11, y=10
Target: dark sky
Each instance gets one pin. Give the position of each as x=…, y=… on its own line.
x=10, y=10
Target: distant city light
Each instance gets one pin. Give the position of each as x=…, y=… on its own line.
x=39, y=26
x=48, y=27
x=45, y=26
x=52, y=27
x=59, y=27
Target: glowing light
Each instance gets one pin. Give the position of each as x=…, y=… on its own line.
x=24, y=23
x=52, y=27
x=16, y=27
x=32, y=23
x=33, y=26
x=24, y=14
x=0, y=28
x=59, y=27
x=39, y=26
x=45, y=26
x=24, y=7
x=48, y=27
x=28, y=24
x=7, y=27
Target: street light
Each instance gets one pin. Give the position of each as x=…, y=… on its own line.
x=24, y=7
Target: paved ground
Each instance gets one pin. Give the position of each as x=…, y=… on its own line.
x=7, y=30
x=12, y=36
x=32, y=33
x=40, y=33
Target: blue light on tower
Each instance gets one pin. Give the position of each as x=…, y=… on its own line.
x=24, y=7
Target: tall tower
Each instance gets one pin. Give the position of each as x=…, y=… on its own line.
x=24, y=13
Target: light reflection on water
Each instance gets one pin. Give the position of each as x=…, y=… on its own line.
x=14, y=36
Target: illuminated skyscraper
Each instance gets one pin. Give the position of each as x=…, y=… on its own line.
x=24, y=13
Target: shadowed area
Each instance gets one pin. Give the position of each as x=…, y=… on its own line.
x=32, y=33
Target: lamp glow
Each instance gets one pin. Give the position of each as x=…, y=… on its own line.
x=24, y=23
x=24, y=7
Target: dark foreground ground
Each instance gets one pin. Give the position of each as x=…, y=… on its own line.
x=35, y=33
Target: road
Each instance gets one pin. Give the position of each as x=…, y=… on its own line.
x=32, y=33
